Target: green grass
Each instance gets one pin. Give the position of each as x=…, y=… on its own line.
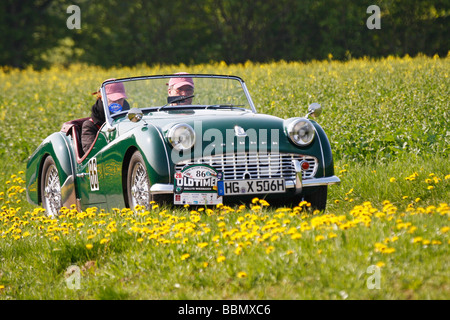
x=388, y=124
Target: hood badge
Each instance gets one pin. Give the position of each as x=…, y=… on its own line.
x=239, y=131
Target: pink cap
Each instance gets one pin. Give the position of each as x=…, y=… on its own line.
x=115, y=91
x=179, y=82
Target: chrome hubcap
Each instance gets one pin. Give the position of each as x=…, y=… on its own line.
x=52, y=191
x=140, y=189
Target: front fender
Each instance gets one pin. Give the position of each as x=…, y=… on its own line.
x=151, y=143
x=327, y=156
x=115, y=158
x=57, y=146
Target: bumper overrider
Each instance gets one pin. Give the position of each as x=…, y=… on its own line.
x=298, y=184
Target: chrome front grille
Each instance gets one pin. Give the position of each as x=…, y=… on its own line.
x=237, y=166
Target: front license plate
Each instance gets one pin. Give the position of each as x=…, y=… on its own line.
x=233, y=187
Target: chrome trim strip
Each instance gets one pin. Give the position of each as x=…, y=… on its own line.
x=321, y=181
x=161, y=188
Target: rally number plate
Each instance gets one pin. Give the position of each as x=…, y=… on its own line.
x=196, y=185
x=241, y=187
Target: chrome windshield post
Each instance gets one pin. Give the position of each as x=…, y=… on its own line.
x=108, y=117
x=247, y=94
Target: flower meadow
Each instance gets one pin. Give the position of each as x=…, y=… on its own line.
x=385, y=233
x=246, y=247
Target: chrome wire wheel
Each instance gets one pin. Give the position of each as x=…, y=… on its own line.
x=50, y=188
x=138, y=183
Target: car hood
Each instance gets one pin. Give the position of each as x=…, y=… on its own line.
x=228, y=129
x=217, y=119
x=207, y=119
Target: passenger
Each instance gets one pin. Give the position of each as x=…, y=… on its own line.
x=116, y=96
x=181, y=87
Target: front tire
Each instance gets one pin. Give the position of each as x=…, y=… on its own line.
x=318, y=198
x=138, y=183
x=50, y=187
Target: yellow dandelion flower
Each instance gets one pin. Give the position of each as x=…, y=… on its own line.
x=202, y=244
x=417, y=239
x=319, y=238
x=89, y=246
x=274, y=238
x=332, y=235
x=417, y=200
x=380, y=264
x=220, y=258
x=436, y=242
x=445, y=229
x=392, y=179
x=412, y=229
x=430, y=187
x=289, y=252
x=269, y=249
x=296, y=236
x=103, y=241
x=185, y=256
x=241, y=274
x=389, y=250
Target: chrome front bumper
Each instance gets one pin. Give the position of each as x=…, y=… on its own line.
x=298, y=184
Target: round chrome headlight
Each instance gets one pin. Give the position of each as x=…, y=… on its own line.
x=181, y=136
x=301, y=132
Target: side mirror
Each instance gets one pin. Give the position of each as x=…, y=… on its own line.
x=135, y=115
x=314, y=110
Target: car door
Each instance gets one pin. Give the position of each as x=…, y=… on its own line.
x=90, y=173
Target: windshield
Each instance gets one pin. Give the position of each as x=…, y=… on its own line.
x=169, y=92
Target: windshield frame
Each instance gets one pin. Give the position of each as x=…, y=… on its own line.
x=109, y=118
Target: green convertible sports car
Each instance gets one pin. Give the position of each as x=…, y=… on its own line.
x=198, y=142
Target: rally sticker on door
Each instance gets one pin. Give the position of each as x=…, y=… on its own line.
x=93, y=174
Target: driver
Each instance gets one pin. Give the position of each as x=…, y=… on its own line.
x=181, y=87
x=116, y=96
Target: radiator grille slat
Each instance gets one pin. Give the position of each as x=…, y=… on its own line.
x=237, y=166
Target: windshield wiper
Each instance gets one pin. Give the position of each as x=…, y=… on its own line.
x=176, y=99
